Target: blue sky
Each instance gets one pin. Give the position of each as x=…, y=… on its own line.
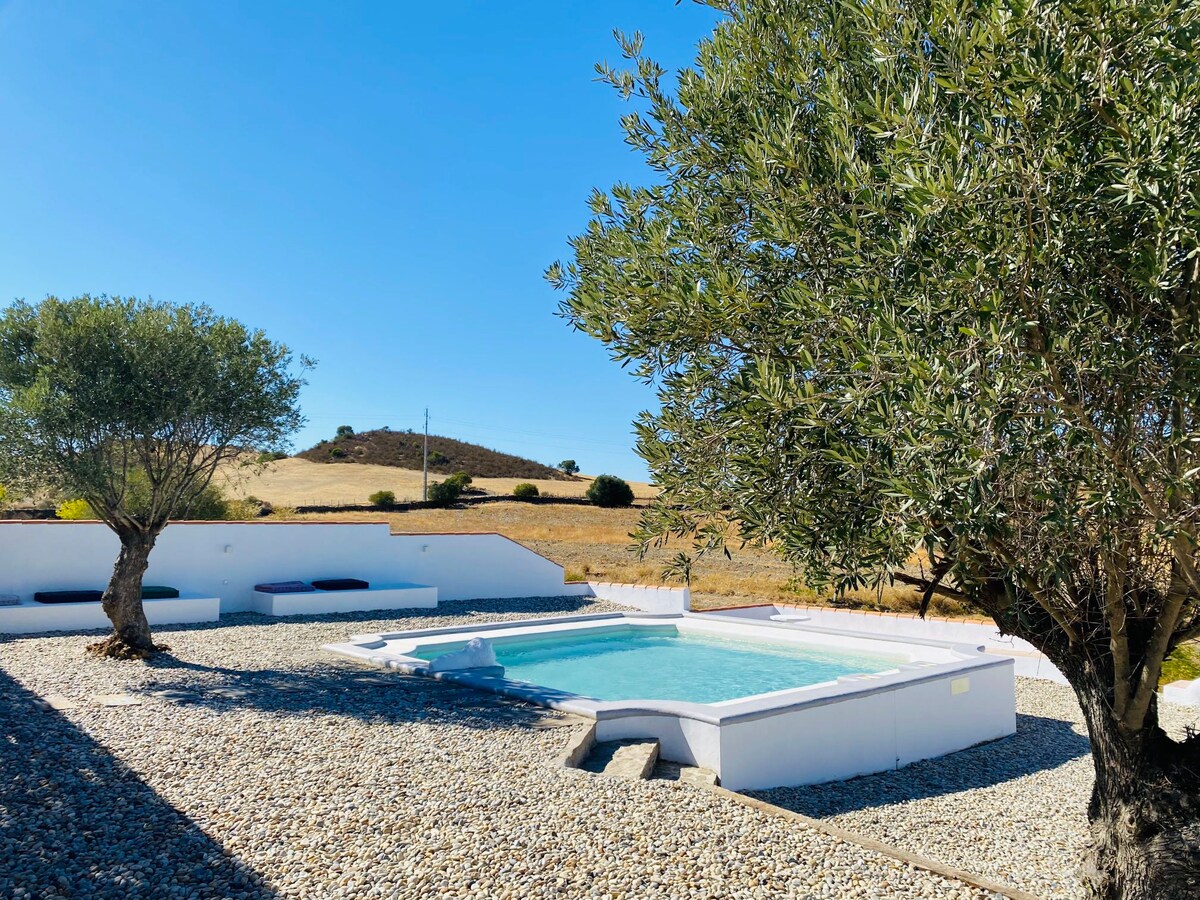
x=379, y=185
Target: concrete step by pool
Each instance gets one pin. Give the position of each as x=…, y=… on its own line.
x=629, y=759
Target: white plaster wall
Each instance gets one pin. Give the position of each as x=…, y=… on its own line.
x=32, y=618
x=647, y=598
x=226, y=559
x=884, y=730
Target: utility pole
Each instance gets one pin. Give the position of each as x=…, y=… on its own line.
x=425, y=461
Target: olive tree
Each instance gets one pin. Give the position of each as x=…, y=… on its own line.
x=133, y=406
x=919, y=283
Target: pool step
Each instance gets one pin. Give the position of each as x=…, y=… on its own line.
x=631, y=759
x=696, y=776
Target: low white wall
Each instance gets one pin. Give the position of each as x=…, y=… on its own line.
x=226, y=559
x=647, y=598
x=32, y=618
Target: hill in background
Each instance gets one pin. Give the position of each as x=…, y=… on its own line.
x=403, y=449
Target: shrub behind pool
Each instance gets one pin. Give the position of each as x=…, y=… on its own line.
x=609, y=490
x=383, y=499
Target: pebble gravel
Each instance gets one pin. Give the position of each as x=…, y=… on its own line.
x=258, y=766
x=1012, y=810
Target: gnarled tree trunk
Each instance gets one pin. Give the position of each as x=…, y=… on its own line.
x=122, y=601
x=1145, y=808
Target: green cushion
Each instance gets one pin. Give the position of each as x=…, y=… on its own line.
x=158, y=592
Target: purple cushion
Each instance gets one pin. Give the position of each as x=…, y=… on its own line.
x=284, y=587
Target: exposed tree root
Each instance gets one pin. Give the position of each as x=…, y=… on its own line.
x=115, y=647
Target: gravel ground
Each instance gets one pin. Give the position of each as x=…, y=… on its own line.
x=1014, y=810
x=255, y=765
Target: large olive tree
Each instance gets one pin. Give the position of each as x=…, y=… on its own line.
x=133, y=406
x=920, y=285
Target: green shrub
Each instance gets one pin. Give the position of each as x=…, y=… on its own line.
x=610, y=491
x=270, y=456
x=344, y=431
x=337, y=453
x=462, y=479
x=443, y=493
x=212, y=505
x=383, y=499
x=74, y=509
x=525, y=491
x=436, y=458
x=568, y=467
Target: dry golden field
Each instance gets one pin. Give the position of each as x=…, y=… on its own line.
x=298, y=482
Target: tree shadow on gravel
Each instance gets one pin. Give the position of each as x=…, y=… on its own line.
x=337, y=689
x=77, y=822
x=1040, y=743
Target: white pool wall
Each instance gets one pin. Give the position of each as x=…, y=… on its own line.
x=1027, y=660
x=871, y=731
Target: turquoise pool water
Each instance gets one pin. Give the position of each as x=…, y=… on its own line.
x=652, y=663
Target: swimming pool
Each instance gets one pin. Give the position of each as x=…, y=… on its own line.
x=762, y=704
x=662, y=663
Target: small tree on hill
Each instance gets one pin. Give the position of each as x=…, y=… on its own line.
x=926, y=276
x=444, y=493
x=132, y=406
x=568, y=467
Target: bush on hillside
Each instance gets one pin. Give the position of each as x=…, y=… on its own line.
x=211, y=504
x=568, y=467
x=526, y=491
x=383, y=499
x=436, y=458
x=74, y=510
x=270, y=456
x=610, y=491
x=462, y=479
x=443, y=493
x=344, y=431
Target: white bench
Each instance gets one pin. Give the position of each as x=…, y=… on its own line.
x=312, y=603
x=30, y=617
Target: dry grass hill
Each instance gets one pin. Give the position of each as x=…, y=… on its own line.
x=403, y=449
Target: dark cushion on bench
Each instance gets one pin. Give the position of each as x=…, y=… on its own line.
x=284, y=587
x=68, y=596
x=158, y=592
x=341, y=584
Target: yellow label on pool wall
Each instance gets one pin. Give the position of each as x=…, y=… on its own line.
x=960, y=685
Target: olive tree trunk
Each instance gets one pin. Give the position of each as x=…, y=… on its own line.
x=122, y=601
x=1144, y=813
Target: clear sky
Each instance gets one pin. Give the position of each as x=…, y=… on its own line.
x=379, y=185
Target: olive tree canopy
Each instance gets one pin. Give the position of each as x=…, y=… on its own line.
x=919, y=285
x=132, y=406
